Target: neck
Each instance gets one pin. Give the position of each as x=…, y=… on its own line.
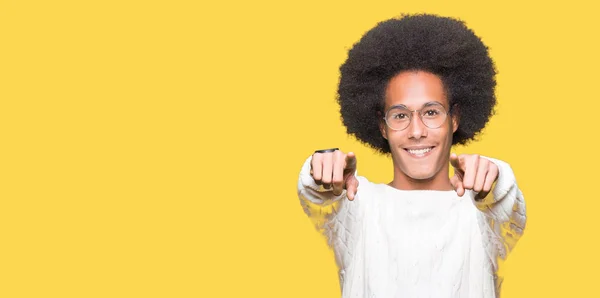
x=439, y=181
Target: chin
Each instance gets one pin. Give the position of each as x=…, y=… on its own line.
x=420, y=175
x=417, y=172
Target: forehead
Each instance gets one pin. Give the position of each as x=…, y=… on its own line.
x=414, y=89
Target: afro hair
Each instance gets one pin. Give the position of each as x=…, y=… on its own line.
x=439, y=45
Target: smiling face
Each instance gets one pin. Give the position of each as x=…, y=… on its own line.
x=420, y=153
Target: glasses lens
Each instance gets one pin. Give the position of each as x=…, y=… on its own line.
x=398, y=118
x=433, y=115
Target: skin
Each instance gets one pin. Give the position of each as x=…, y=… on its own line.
x=413, y=89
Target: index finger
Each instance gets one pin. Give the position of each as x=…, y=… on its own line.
x=350, y=162
x=455, y=162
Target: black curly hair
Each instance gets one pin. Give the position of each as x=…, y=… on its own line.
x=440, y=45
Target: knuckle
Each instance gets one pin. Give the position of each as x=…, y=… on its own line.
x=488, y=164
x=493, y=167
x=348, y=184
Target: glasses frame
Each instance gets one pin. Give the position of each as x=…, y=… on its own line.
x=410, y=115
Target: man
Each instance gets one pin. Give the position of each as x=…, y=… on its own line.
x=413, y=87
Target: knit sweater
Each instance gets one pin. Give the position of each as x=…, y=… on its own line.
x=420, y=243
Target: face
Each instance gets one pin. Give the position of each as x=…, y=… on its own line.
x=420, y=153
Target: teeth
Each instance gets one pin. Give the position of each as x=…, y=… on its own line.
x=419, y=152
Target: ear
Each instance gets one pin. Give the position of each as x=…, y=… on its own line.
x=455, y=118
x=382, y=125
x=382, y=129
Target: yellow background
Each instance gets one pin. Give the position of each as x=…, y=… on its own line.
x=151, y=148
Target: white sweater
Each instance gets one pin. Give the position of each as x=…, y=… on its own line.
x=397, y=243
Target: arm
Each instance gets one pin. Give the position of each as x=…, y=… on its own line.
x=335, y=216
x=496, y=194
x=504, y=212
x=320, y=205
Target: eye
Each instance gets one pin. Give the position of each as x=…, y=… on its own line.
x=399, y=116
x=431, y=113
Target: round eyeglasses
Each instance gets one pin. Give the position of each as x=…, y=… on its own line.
x=432, y=114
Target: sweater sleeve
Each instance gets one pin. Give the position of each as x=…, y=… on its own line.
x=504, y=215
x=333, y=216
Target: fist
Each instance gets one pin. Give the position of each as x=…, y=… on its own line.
x=335, y=169
x=473, y=172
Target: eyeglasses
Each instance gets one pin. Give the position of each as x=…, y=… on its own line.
x=432, y=114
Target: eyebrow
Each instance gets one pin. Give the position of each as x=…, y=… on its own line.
x=425, y=104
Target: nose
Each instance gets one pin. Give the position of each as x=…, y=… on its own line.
x=416, y=128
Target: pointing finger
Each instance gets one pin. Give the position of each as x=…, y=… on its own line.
x=454, y=161
x=350, y=162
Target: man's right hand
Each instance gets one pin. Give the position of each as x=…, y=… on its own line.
x=335, y=169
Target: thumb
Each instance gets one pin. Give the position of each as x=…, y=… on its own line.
x=351, y=187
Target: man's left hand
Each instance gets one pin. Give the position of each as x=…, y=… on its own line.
x=473, y=172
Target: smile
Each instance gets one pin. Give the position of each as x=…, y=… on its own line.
x=421, y=152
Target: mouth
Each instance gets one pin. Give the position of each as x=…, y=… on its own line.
x=419, y=152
